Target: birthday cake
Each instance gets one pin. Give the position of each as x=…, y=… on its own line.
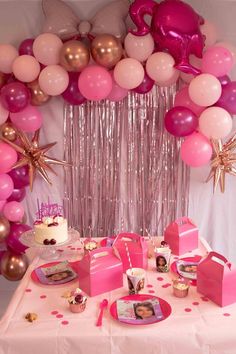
x=51, y=227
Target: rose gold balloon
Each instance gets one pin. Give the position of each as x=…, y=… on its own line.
x=13, y=266
x=4, y=228
x=106, y=50
x=38, y=97
x=74, y=56
x=3, y=80
x=8, y=132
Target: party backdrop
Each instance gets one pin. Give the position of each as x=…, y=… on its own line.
x=214, y=214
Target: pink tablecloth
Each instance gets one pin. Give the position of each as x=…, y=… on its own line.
x=196, y=326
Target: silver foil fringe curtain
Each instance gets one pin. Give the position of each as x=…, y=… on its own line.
x=127, y=173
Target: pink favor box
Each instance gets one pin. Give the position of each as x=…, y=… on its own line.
x=137, y=247
x=100, y=271
x=216, y=279
x=182, y=236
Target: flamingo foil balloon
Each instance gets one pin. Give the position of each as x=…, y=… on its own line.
x=175, y=27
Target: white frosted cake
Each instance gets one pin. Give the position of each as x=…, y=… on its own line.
x=51, y=230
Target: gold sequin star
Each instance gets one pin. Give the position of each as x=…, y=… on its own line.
x=223, y=162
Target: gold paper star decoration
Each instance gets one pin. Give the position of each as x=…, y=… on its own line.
x=34, y=156
x=223, y=162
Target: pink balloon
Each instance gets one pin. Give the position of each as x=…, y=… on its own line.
x=209, y=30
x=196, y=150
x=215, y=123
x=29, y=120
x=13, y=239
x=175, y=26
x=129, y=73
x=139, y=48
x=26, y=68
x=46, y=48
x=20, y=176
x=117, y=93
x=2, y=203
x=17, y=195
x=161, y=68
x=205, y=90
x=8, y=54
x=54, y=80
x=6, y=186
x=15, y=96
x=146, y=86
x=3, y=114
x=182, y=99
x=72, y=94
x=228, y=46
x=26, y=47
x=217, y=61
x=13, y=211
x=180, y=121
x=8, y=157
x=95, y=83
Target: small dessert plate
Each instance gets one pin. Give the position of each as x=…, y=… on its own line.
x=174, y=269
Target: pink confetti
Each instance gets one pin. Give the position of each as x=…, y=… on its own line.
x=72, y=248
x=166, y=285
x=149, y=286
x=28, y=290
x=195, y=303
x=61, y=251
x=160, y=279
x=79, y=248
x=64, y=323
x=68, y=246
x=43, y=296
x=59, y=316
x=204, y=298
x=54, y=312
x=151, y=291
x=226, y=314
x=187, y=310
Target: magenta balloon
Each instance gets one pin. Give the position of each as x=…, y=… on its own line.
x=228, y=98
x=26, y=47
x=145, y=86
x=15, y=96
x=20, y=177
x=196, y=150
x=8, y=157
x=17, y=195
x=175, y=26
x=224, y=80
x=72, y=94
x=180, y=121
x=12, y=239
x=29, y=119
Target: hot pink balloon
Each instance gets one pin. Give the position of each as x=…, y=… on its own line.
x=26, y=47
x=8, y=54
x=180, y=121
x=196, y=150
x=54, y=80
x=175, y=26
x=129, y=73
x=20, y=177
x=217, y=61
x=205, y=90
x=6, y=186
x=72, y=94
x=29, y=120
x=46, y=48
x=13, y=239
x=26, y=68
x=215, y=123
x=117, y=93
x=182, y=99
x=4, y=113
x=17, y=195
x=95, y=83
x=15, y=96
x=13, y=211
x=228, y=97
x=145, y=86
x=224, y=80
x=8, y=157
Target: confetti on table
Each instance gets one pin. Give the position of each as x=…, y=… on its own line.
x=28, y=290
x=72, y=248
x=166, y=285
x=226, y=314
x=54, y=312
x=195, y=303
x=59, y=316
x=160, y=279
x=204, y=298
x=64, y=323
x=149, y=286
x=151, y=291
x=187, y=310
x=43, y=296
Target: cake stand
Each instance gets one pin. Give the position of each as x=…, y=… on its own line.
x=48, y=252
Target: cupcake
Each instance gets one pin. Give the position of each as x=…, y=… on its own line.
x=77, y=301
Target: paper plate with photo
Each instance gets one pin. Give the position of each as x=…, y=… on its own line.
x=140, y=309
x=187, y=268
x=55, y=273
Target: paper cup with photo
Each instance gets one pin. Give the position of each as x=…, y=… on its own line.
x=162, y=256
x=136, y=280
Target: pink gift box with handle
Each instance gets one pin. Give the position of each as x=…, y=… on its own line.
x=100, y=271
x=182, y=236
x=138, y=250
x=216, y=279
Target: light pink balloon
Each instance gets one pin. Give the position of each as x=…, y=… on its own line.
x=160, y=68
x=182, y=99
x=13, y=211
x=129, y=73
x=139, y=47
x=215, y=123
x=46, y=48
x=95, y=83
x=205, y=90
x=8, y=54
x=197, y=63
x=29, y=119
x=26, y=68
x=217, y=61
x=196, y=150
x=117, y=93
x=53, y=80
x=228, y=46
x=3, y=114
x=2, y=203
x=6, y=186
x=8, y=157
x=209, y=30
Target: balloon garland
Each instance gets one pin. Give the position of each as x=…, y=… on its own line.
x=96, y=60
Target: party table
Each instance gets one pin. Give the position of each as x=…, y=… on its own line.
x=196, y=325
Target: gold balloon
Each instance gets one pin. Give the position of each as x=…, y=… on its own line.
x=3, y=80
x=8, y=132
x=38, y=97
x=106, y=50
x=13, y=266
x=74, y=56
x=4, y=228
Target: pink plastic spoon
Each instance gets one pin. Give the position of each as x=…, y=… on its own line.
x=103, y=305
